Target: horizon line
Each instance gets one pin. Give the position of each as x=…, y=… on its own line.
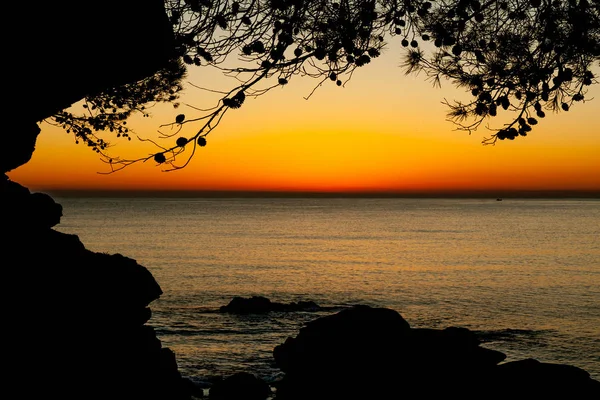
x=496, y=194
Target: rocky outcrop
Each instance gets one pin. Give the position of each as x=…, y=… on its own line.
x=66, y=50
x=240, y=386
x=373, y=353
x=75, y=321
x=262, y=305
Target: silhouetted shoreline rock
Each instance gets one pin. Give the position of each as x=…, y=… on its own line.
x=373, y=353
x=241, y=385
x=75, y=320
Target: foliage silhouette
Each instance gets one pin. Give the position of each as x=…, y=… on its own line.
x=526, y=57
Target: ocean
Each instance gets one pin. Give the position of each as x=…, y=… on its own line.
x=524, y=274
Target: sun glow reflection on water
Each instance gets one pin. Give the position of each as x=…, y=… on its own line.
x=524, y=273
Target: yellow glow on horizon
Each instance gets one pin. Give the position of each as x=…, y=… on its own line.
x=382, y=131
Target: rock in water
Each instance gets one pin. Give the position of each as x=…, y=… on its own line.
x=240, y=386
x=373, y=353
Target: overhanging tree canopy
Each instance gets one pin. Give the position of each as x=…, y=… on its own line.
x=525, y=57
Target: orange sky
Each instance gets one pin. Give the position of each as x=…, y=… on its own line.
x=384, y=131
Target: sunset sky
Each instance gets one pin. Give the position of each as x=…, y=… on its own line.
x=382, y=132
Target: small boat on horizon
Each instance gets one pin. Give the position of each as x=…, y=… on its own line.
x=499, y=199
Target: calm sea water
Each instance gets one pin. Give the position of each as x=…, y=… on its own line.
x=524, y=274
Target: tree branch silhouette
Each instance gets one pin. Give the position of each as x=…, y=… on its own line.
x=525, y=57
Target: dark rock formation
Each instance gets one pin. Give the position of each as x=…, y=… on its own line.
x=18, y=143
x=66, y=50
x=372, y=353
x=261, y=305
x=240, y=386
x=74, y=321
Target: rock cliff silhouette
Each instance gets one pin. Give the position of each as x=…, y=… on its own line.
x=74, y=321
